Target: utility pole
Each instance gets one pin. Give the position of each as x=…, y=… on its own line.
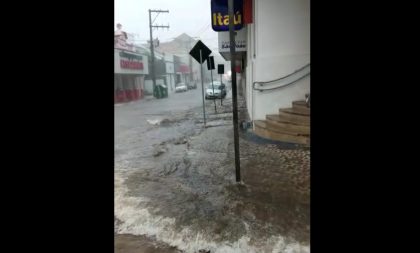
x=151, y=26
x=234, y=93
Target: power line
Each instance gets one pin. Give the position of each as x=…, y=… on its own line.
x=155, y=18
x=201, y=28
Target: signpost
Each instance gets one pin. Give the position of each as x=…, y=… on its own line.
x=230, y=18
x=210, y=66
x=200, y=52
x=234, y=93
x=221, y=71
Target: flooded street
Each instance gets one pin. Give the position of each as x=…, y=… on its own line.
x=175, y=187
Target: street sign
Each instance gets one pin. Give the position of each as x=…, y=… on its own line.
x=195, y=52
x=220, y=15
x=200, y=53
x=220, y=69
x=210, y=63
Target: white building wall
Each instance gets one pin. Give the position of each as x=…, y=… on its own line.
x=170, y=81
x=170, y=72
x=278, y=44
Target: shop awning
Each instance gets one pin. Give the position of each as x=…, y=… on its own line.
x=183, y=68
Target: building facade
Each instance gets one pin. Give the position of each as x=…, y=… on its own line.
x=273, y=62
x=278, y=44
x=273, y=42
x=130, y=69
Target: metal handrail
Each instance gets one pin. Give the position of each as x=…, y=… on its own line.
x=284, y=85
x=281, y=78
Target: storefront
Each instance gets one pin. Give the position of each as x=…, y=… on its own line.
x=182, y=70
x=182, y=73
x=129, y=71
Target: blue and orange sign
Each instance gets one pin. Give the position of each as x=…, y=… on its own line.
x=220, y=15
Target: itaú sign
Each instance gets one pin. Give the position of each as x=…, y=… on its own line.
x=125, y=64
x=220, y=15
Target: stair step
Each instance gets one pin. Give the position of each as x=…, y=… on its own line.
x=301, y=107
x=302, y=110
x=299, y=111
x=283, y=119
x=294, y=118
x=287, y=127
x=300, y=103
x=260, y=129
x=290, y=118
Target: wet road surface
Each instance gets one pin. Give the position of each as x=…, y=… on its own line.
x=175, y=187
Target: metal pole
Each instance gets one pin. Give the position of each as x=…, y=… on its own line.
x=202, y=86
x=152, y=53
x=211, y=74
x=221, y=97
x=234, y=95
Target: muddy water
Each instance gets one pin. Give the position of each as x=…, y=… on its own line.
x=174, y=184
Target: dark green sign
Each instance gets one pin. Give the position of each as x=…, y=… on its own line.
x=131, y=56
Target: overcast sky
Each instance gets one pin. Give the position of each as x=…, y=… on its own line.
x=185, y=16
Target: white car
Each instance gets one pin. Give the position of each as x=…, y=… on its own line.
x=219, y=90
x=181, y=87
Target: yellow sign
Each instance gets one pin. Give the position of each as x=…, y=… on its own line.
x=219, y=20
x=220, y=15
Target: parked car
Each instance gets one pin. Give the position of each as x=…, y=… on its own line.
x=192, y=85
x=219, y=90
x=180, y=87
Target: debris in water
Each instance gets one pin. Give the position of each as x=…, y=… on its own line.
x=159, y=151
x=153, y=121
x=157, y=122
x=181, y=140
x=165, y=122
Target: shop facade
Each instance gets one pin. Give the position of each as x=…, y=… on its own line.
x=130, y=70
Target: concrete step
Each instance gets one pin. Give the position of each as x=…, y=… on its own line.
x=286, y=127
x=301, y=108
x=261, y=129
x=291, y=116
x=300, y=103
x=285, y=117
x=299, y=111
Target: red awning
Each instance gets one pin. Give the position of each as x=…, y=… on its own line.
x=247, y=8
x=183, y=68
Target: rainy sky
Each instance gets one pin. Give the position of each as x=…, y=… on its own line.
x=190, y=16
